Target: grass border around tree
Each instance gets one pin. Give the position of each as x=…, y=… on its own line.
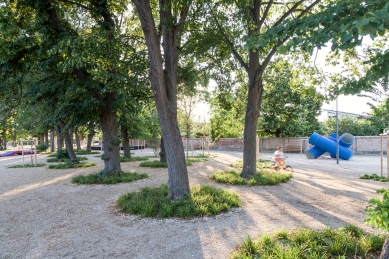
x=69, y=165
x=158, y=164
x=59, y=160
x=27, y=165
x=262, y=177
x=133, y=159
x=96, y=178
x=261, y=163
x=347, y=242
x=204, y=200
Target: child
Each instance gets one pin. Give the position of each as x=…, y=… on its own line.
x=277, y=156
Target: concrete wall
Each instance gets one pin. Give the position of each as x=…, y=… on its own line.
x=362, y=145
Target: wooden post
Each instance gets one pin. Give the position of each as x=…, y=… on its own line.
x=381, y=155
x=387, y=155
x=22, y=151
x=192, y=146
x=202, y=144
x=35, y=151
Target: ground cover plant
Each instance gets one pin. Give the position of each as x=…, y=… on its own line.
x=261, y=163
x=154, y=202
x=197, y=159
x=96, y=178
x=86, y=152
x=262, y=177
x=206, y=156
x=157, y=164
x=54, y=159
x=374, y=177
x=27, y=165
x=133, y=159
x=348, y=242
x=69, y=164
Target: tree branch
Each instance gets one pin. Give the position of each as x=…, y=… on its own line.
x=78, y=4
x=291, y=10
x=274, y=50
x=227, y=40
x=269, y=4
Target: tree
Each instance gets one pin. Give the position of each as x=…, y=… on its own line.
x=163, y=79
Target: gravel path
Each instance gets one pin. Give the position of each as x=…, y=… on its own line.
x=43, y=215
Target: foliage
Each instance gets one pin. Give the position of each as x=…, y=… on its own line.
x=378, y=211
x=26, y=165
x=85, y=152
x=261, y=163
x=196, y=159
x=157, y=164
x=379, y=117
x=154, y=202
x=68, y=165
x=347, y=242
x=97, y=179
x=54, y=159
x=133, y=159
x=352, y=125
x=374, y=177
x=262, y=177
x=41, y=147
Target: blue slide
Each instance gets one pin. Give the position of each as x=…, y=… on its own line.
x=322, y=144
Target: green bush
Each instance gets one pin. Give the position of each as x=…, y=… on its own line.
x=54, y=159
x=69, y=164
x=133, y=159
x=154, y=202
x=347, y=242
x=85, y=152
x=261, y=163
x=26, y=165
x=378, y=211
x=97, y=179
x=260, y=178
x=157, y=164
x=41, y=147
x=374, y=177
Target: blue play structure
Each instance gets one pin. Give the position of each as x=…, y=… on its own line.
x=322, y=144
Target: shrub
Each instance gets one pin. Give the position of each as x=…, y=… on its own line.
x=133, y=159
x=26, y=165
x=97, y=179
x=154, y=202
x=54, y=159
x=69, y=164
x=41, y=147
x=374, y=177
x=347, y=242
x=260, y=178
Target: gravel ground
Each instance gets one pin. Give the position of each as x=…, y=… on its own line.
x=43, y=215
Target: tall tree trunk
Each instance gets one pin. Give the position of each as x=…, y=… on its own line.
x=47, y=140
x=41, y=139
x=111, y=142
x=385, y=249
x=68, y=142
x=164, y=85
x=91, y=134
x=162, y=153
x=78, y=143
x=59, y=139
x=254, y=98
x=52, y=143
x=125, y=142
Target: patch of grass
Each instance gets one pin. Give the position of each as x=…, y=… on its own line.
x=261, y=163
x=260, y=178
x=97, y=179
x=69, y=164
x=374, y=177
x=154, y=202
x=85, y=152
x=347, y=242
x=197, y=159
x=157, y=164
x=54, y=159
x=206, y=156
x=26, y=165
x=133, y=159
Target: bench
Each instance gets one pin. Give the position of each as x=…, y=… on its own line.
x=291, y=149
